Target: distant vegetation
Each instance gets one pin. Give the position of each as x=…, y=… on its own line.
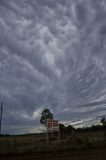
x=70, y=129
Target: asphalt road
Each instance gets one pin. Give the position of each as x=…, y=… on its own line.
x=88, y=154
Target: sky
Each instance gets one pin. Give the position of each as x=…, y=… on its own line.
x=52, y=55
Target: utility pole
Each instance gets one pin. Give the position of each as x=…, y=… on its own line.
x=1, y=111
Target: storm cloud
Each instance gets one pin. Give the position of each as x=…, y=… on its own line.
x=52, y=55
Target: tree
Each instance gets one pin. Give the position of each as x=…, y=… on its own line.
x=45, y=115
x=69, y=129
x=103, y=121
x=66, y=130
x=61, y=127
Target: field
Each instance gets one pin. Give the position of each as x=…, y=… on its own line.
x=84, y=146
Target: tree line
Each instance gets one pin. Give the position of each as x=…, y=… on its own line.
x=46, y=114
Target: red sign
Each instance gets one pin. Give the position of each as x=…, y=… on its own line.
x=52, y=125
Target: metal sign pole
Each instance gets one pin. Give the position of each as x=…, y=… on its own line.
x=47, y=134
x=59, y=135
x=47, y=131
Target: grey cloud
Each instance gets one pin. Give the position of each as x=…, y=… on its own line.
x=52, y=54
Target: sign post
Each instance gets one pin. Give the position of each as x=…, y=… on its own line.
x=47, y=133
x=53, y=126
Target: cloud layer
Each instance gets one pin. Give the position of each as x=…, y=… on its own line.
x=52, y=55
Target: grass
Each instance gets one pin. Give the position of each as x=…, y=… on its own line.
x=37, y=143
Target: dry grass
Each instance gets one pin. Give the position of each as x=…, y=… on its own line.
x=37, y=143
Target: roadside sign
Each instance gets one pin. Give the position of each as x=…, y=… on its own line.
x=52, y=125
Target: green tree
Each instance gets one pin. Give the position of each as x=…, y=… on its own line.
x=45, y=115
x=62, y=129
x=65, y=130
x=103, y=121
x=69, y=129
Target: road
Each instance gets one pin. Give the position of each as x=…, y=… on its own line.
x=87, y=154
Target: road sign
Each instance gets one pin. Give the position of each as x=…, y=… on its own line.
x=52, y=125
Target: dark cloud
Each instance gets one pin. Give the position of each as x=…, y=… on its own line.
x=52, y=55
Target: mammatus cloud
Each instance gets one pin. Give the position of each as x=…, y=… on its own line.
x=52, y=55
